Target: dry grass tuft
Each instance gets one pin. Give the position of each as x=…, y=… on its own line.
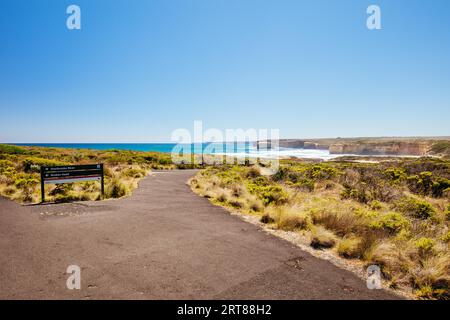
x=322, y=238
x=350, y=248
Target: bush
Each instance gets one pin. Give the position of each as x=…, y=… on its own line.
x=6, y=165
x=9, y=149
x=447, y=213
x=446, y=237
x=321, y=172
x=440, y=186
x=304, y=184
x=115, y=189
x=425, y=246
x=322, y=238
x=395, y=174
x=376, y=205
x=270, y=194
x=392, y=222
x=25, y=183
x=355, y=194
x=350, y=248
x=266, y=218
x=134, y=173
x=253, y=172
x=416, y=208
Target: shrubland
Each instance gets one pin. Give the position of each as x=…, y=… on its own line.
x=394, y=213
x=20, y=172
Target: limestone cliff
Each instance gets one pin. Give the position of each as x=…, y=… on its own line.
x=382, y=148
x=413, y=146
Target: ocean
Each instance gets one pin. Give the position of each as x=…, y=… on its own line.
x=240, y=149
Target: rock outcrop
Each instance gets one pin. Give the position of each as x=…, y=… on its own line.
x=362, y=146
x=382, y=148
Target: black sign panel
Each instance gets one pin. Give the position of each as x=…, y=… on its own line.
x=61, y=174
x=69, y=174
x=74, y=168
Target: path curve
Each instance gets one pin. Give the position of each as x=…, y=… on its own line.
x=163, y=242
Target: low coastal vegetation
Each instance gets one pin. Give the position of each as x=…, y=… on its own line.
x=20, y=172
x=395, y=213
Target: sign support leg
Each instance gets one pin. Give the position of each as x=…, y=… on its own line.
x=42, y=185
x=103, y=182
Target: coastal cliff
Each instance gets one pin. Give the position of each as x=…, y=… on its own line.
x=416, y=146
x=384, y=148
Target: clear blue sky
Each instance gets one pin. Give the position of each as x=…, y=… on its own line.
x=137, y=70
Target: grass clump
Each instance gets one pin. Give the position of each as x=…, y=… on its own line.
x=322, y=238
x=425, y=246
x=350, y=248
x=290, y=218
x=115, y=189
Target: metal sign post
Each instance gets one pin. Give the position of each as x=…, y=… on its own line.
x=69, y=174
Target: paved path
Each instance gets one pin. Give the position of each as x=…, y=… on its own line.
x=163, y=242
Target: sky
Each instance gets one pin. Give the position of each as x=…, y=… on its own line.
x=138, y=70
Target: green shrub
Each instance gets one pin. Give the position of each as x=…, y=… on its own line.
x=7, y=168
x=305, y=184
x=424, y=184
x=446, y=237
x=416, y=208
x=395, y=174
x=376, y=205
x=9, y=149
x=252, y=172
x=268, y=194
x=359, y=194
x=281, y=174
x=322, y=172
x=25, y=181
x=440, y=186
x=26, y=184
x=425, y=246
x=392, y=222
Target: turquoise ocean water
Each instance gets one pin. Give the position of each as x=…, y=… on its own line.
x=238, y=149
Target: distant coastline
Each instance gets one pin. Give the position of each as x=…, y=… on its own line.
x=324, y=149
